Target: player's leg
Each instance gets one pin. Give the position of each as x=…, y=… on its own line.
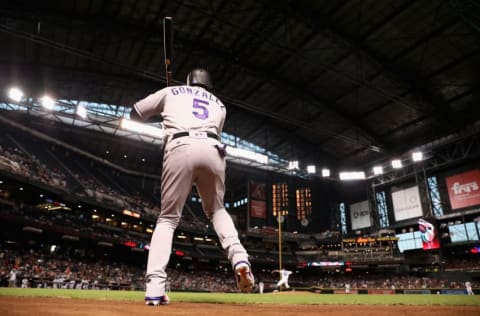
x=210, y=183
x=279, y=283
x=176, y=185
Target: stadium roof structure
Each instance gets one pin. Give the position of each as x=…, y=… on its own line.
x=328, y=82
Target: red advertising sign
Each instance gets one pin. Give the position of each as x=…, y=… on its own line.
x=258, y=197
x=464, y=189
x=257, y=191
x=130, y=244
x=258, y=209
x=381, y=291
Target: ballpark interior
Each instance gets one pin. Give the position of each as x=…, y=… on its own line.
x=352, y=126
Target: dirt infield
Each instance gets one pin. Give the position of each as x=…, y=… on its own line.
x=26, y=306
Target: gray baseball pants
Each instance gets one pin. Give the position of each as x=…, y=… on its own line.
x=187, y=162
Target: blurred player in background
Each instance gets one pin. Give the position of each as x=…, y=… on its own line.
x=284, y=275
x=261, y=285
x=347, y=288
x=12, y=278
x=468, y=287
x=193, y=120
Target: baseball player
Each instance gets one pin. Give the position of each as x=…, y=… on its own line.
x=261, y=286
x=468, y=288
x=193, y=119
x=284, y=275
x=12, y=281
x=347, y=288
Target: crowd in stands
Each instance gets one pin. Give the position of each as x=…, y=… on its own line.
x=461, y=264
x=70, y=222
x=373, y=281
x=77, y=270
x=77, y=222
x=16, y=161
x=107, y=195
x=80, y=269
x=181, y=280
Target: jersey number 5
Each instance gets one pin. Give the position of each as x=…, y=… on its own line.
x=200, y=109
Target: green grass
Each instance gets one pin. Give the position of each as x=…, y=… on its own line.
x=283, y=298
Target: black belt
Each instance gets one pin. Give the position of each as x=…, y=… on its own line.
x=183, y=134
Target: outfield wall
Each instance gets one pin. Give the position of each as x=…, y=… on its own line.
x=434, y=291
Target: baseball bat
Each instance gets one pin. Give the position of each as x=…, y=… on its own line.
x=168, y=47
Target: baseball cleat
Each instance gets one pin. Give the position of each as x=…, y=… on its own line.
x=156, y=301
x=244, y=277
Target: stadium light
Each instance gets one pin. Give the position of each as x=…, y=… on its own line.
x=15, y=94
x=293, y=165
x=417, y=156
x=377, y=170
x=47, y=102
x=311, y=169
x=82, y=111
x=246, y=154
x=396, y=164
x=141, y=128
x=352, y=175
x=325, y=172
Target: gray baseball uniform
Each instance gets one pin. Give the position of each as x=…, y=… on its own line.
x=190, y=158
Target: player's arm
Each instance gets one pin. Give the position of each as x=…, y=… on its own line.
x=222, y=122
x=150, y=106
x=134, y=116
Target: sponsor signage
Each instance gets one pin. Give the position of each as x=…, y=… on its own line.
x=130, y=243
x=130, y=213
x=258, y=200
x=368, y=239
x=416, y=292
x=453, y=292
x=475, y=250
x=360, y=215
x=322, y=264
x=407, y=204
x=258, y=209
x=381, y=291
x=345, y=292
x=257, y=191
x=464, y=189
